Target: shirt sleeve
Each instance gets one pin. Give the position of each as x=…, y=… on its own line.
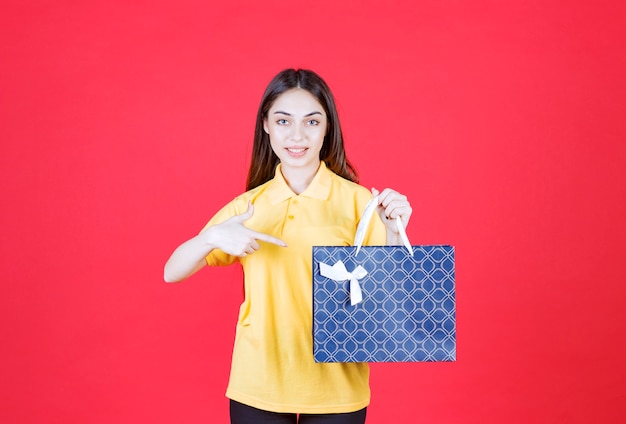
x=218, y=257
x=376, y=234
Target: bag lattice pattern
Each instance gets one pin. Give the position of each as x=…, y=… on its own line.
x=408, y=308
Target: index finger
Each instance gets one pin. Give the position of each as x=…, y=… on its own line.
x=269, y=239
x=388, y=195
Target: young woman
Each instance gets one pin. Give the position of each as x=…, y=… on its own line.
x=301, y=192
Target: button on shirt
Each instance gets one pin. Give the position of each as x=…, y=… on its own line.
x=272, y=365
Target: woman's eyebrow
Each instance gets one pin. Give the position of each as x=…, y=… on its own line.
x=280, y=112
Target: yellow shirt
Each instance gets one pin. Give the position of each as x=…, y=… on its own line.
x=272, y=366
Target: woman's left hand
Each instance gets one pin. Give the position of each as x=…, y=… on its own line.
x=392, y=204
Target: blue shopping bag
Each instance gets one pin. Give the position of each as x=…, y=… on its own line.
x=383, y=303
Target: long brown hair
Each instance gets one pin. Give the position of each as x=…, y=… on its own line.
x=264, y=160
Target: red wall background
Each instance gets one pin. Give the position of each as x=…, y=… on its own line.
x=126, y=125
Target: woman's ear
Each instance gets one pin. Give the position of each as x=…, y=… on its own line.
x=265, y=128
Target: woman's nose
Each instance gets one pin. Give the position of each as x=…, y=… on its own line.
x=297, y=132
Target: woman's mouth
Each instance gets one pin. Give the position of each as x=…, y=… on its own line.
x=296, y=152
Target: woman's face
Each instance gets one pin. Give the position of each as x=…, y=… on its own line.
x=296, y=124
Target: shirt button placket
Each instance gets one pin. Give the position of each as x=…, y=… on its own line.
x=290, y=215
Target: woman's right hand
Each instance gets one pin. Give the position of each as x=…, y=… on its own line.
x=232, y=237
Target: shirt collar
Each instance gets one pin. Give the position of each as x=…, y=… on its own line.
x=319, y=188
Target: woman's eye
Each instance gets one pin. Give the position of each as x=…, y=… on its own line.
x=313, y=122
x=282, y=122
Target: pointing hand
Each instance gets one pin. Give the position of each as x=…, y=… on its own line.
x=232, y=237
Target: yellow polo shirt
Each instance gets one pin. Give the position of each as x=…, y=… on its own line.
x=272, y=366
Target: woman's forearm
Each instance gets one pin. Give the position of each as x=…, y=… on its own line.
x=393, y=239
x=187, y=259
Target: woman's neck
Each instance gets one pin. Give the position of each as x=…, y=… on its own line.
x=299, y=179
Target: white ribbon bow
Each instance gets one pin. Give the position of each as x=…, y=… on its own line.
x=338, y=272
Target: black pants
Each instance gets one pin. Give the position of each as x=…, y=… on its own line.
x=244, y=414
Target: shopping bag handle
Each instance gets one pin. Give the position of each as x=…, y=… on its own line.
x=364, y=223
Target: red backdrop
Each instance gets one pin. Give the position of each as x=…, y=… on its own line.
x=126, y=125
